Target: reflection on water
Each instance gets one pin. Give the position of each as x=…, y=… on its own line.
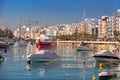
x=84, y=59
x=39, y=64
x=108, y=65
x=107, y=78
x=78, y=65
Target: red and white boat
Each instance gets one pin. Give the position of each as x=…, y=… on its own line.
x=46, y=40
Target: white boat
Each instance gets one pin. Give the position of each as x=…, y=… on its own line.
x=84, y=47
x=3, y=42
x=107, y=75
x=43, y=55
x=106, y=55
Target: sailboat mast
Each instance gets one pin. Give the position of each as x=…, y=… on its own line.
x=84, y=15
x=20, y=26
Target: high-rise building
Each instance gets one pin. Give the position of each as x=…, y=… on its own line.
x=117, y=22
x=117, y=15
x=110, y=29
x=104, y=27
x=67, y=29
x=99, y=28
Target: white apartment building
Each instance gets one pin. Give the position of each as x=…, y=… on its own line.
x=117, y=27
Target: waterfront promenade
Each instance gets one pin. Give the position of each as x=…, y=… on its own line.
x=92, y=42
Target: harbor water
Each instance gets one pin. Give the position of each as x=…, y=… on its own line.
x=72, y=65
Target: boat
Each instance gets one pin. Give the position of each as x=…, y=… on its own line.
x=106, y=55
x=3, y=42
x=1, y=59
x=43, y=56
x=46, y=41
x=107, y=75
x=84, y=47
x=11, y=42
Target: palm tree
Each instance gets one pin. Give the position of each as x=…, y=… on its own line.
x=116, y=34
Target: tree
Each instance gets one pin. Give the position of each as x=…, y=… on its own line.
x=1, y=33
x=10, y=34
x=6, y=33
x=116, y=34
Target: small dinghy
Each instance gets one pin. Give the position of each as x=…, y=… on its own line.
x=107, y=75
x=43, y=55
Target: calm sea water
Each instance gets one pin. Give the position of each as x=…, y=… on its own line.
x=69, y=67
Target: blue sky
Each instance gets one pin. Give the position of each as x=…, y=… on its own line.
x=52, y=12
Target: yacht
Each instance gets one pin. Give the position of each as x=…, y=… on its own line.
x=43, y=55
x=106, y=55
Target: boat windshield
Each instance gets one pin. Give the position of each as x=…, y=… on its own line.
x=106, y=52
x=83, y=44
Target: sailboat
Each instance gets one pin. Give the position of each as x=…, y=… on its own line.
x=83, y=46
x=21, y=41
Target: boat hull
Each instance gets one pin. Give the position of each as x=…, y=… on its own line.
x=106, y=55
x=83, y=48
x=107, y=75
x=47, y=44
x=3, y=45
x=106, y=59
